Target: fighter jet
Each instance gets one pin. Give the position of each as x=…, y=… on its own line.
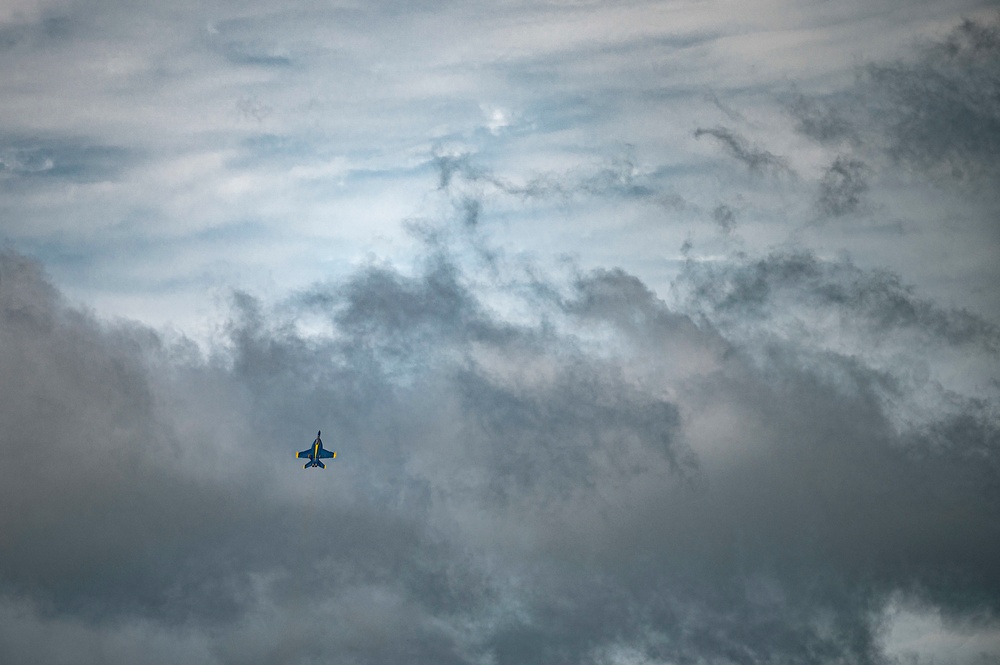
x=315, y=453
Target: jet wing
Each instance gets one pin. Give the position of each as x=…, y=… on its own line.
x=327, y=453
x=304, y=453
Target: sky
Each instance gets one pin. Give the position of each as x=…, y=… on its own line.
x=647, y=333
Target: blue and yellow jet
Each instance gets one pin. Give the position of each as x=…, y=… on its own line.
x=315, y=453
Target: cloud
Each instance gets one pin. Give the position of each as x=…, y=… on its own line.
x=46, y=30
x=618, y=177
x=242, y=43
x=564, y=461
x=943, y=113
x=607, y=474
x=755, y=158
x=935, y=112
x=72, y=159
x=789, y=283
x=725, y=217
x=842, y=187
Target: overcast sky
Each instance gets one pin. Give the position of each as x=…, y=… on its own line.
x=647, y=333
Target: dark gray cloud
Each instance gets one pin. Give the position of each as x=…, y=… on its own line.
x=618, y=177
x=125, y=463
x=757, y=159
x=800, y=284
x=821, y=120
x=943, y=111
x=725, y=217
x=843, y=186
x=936, y=112
x=613, y=477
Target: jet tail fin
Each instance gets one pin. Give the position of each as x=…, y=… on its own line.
x=320, y=464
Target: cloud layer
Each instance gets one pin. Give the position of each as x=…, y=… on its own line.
x=645, y=334
x=600, y=478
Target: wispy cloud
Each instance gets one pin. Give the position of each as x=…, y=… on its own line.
x=756, y=158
